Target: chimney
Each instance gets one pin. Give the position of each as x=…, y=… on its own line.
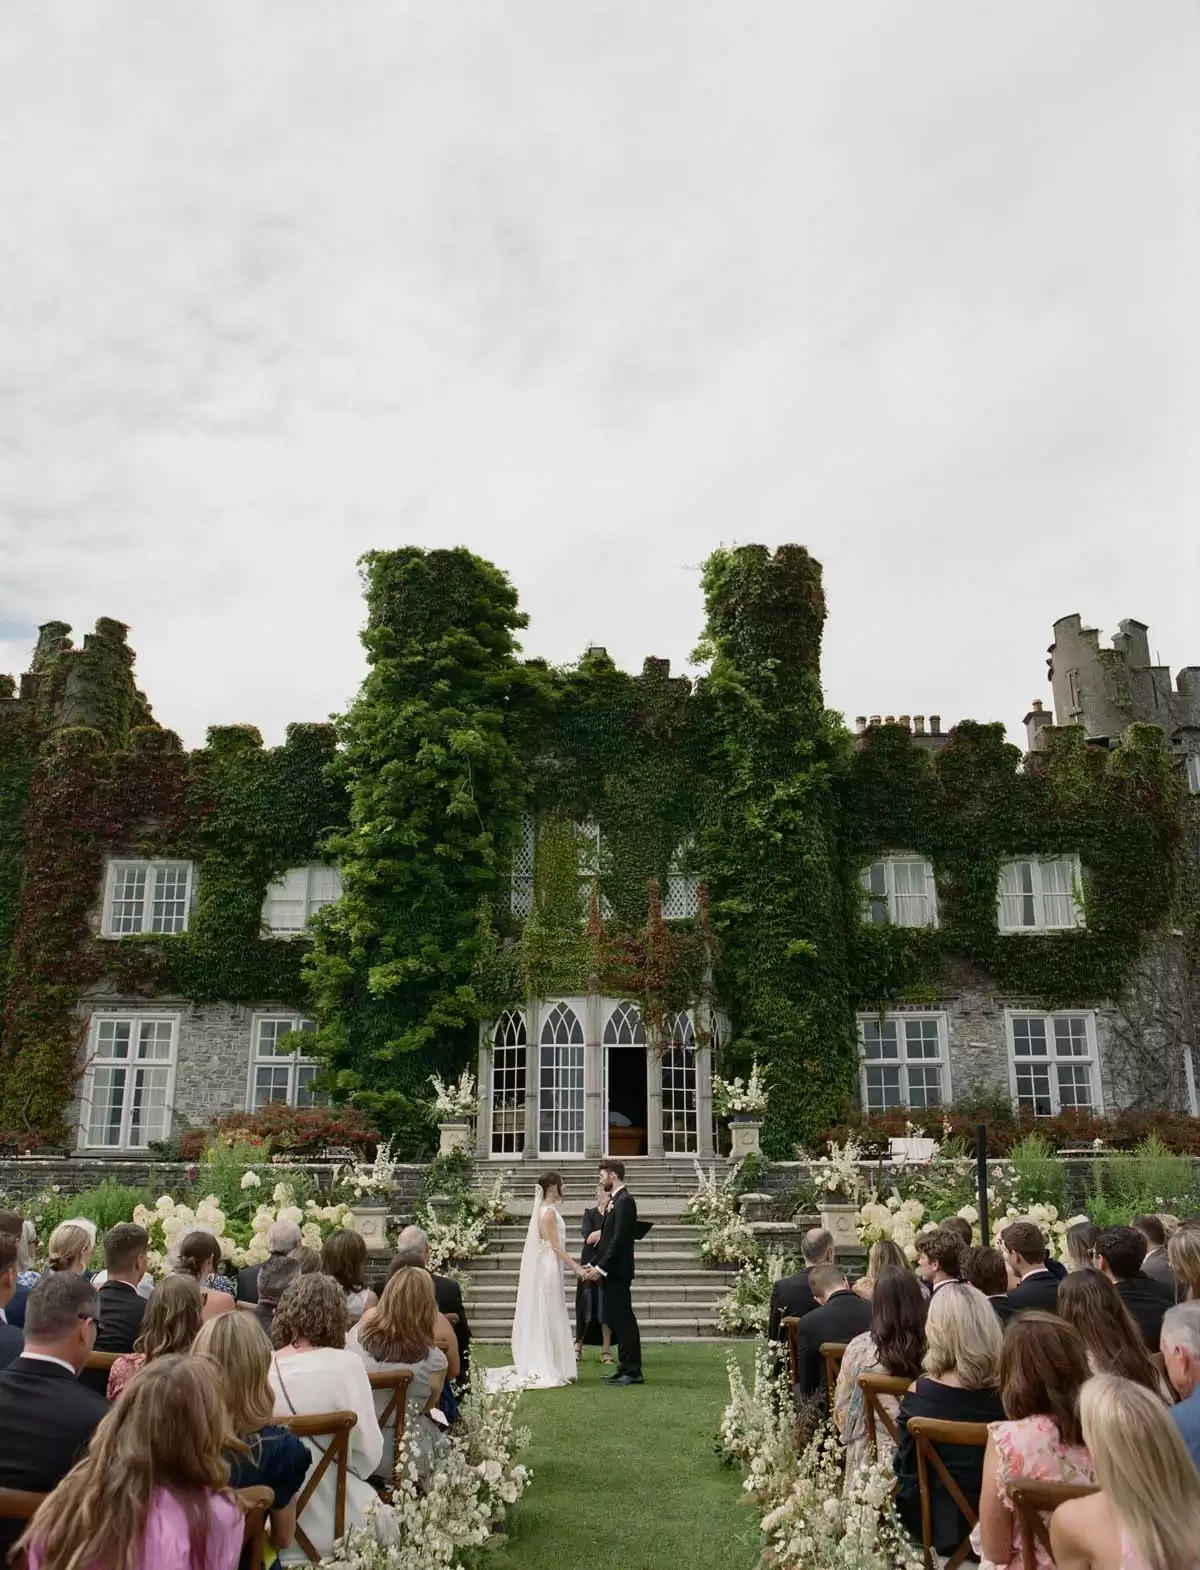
x=860, y=723
x=935, y=724
x=1036, y=721
x=891, y=720
x=906, y=721
x=919, y=724
x=875, y=719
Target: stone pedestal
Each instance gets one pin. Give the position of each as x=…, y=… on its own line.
x=454, y=1136
x=838, y=1219
x=745, y=1134
x=370, y=1222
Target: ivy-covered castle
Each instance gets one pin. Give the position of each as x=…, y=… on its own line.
x=596, y=887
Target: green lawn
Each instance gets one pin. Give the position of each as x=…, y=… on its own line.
x=628, y=1479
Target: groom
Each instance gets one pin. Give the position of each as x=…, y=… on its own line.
x=614, y=1266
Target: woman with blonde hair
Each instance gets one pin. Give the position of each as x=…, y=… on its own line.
x=401, y=1333
x=268, y=1455
x=1081, y=1240
x=1147, y=1513
x=1183, y=1256
x=70, y=1246
x=963, y=1344
x=885, y=1254
x=152, y=1491
x=171, y=1323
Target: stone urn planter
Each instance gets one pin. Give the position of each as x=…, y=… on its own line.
x=454, y=1136
x=745, y=1134
x=838, y=1218
x=370, y=1222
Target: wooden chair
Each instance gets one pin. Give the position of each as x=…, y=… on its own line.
x=334, y=1427
x=18, y=1504
x=789, y=1323
x=397, y=1380
x=929, y=1432
x=832, y=1352
x=873, y=1386
x=102, y=1360
x=255, y=1502
x=1034, y=1504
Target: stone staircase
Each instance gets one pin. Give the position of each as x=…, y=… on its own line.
x=674, y=1295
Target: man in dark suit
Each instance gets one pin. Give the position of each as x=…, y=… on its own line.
x=11, y=1339
x=412, y=1248
x=1119, y=1252
x=283, y=1238
x=840, y=1315
x=49, y=1417
x=1156, y=1265
x=122, y=1307
x=275, y=1275
x=1025, y=1255
x=614, y=1266
x=791, y=1296
x=984, y=1269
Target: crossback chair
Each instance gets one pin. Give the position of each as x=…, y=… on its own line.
x=929, y=1432
x=18, y=1504
x=832, y=1352
x=101, y=1360
x=335, y=1427
x=789, y=1323
x=873, y=1386
x=397, y=1380
x=1035, y=1503
x=255, y=1502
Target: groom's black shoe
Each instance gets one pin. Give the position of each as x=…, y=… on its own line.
x=628, y=1379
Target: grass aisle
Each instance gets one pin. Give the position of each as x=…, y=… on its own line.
x=628, y=1479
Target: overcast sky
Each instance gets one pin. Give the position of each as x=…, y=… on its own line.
x=592, y=288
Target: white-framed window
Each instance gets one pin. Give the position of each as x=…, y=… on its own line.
x=509, y=1038
x=681, y=897
x=146, y=896
x=296, y=896
x=129, y=1081
x=1053, y=1062
x=901, y=892
x=522, y=867
x=1040, y=894
x=903, y=1060
x=1193, y=772
x=275, y=1073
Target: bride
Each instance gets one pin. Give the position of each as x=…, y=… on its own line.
x=542, y=1345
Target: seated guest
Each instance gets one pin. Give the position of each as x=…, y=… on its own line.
x=1113, y=1343
x=272, y=1457
x=792, y=1296
x=939, y=1254
x=313, y=1371
x=961, y=1227
x=884, y=1255
x=309, y=1261
x=276, y=1275
x=1119, y=1254
x=1025, y=1256
x=840, y=1315
x=283, y=1239
x=151, y=1493
x=895, y=1344
x=1183, y=1255
x=1181, y=1354
x=70, y=1247
x=1147, y=1513
x=413, y=1249
x=198, y=1257
x=171, y=1323
x=985, y=1270
x=1156, y=1265
x=1081, y=1240
x=400, y=1334
x=25, y=1237
x=344, y=1257
x=48, y=1416
x=122, y=1307
x=962, y=1371
x=1043, y=1367
x=11, y=1339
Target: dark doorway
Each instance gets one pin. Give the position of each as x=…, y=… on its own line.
x=627, y=1109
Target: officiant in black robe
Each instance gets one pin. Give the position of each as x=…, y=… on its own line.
x=591, y=1327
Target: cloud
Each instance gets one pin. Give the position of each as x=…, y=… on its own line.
x=592, y=289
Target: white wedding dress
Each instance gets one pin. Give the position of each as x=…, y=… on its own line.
x=542, y=1344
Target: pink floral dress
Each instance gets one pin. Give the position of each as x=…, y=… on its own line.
x=1029, y=1447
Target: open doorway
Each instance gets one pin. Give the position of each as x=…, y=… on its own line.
x=625, y=1077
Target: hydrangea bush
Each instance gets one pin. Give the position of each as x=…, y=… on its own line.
x=242, y=1239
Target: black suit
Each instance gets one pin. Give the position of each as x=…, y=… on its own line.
x=122, y=1309
x=964, y=1463
x=15, y=1311
x=791, y=1296
x=247, y=1284
x=841, y=1317
x=1002, y=1303
x=450, y=1301
x=1039, y=1290
x=11, y=1342
x=1147, y=1301
x=615, y=1262
x=49, y=1417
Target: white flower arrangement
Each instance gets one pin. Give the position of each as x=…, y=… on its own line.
x=745, y=1096
x=368, y=1179
x=169, y=1222
x=725, y=1238
x=456, y=1103
x=839, y=1172
x=455, y=1241
x=747, y=1305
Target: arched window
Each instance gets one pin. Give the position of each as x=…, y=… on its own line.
x=625, y=1027
x=508, y=1083
x=562, y=1027
x=560, y=1083
x=679, y=1110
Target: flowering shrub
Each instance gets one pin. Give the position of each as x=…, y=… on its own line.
x=242, y=1239
x=747, y=1096
x=724, y=1237
x=277, y=1129
x=456, y=1103
x=458, y=1229
x=903, y=1220
x=748, y=1303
